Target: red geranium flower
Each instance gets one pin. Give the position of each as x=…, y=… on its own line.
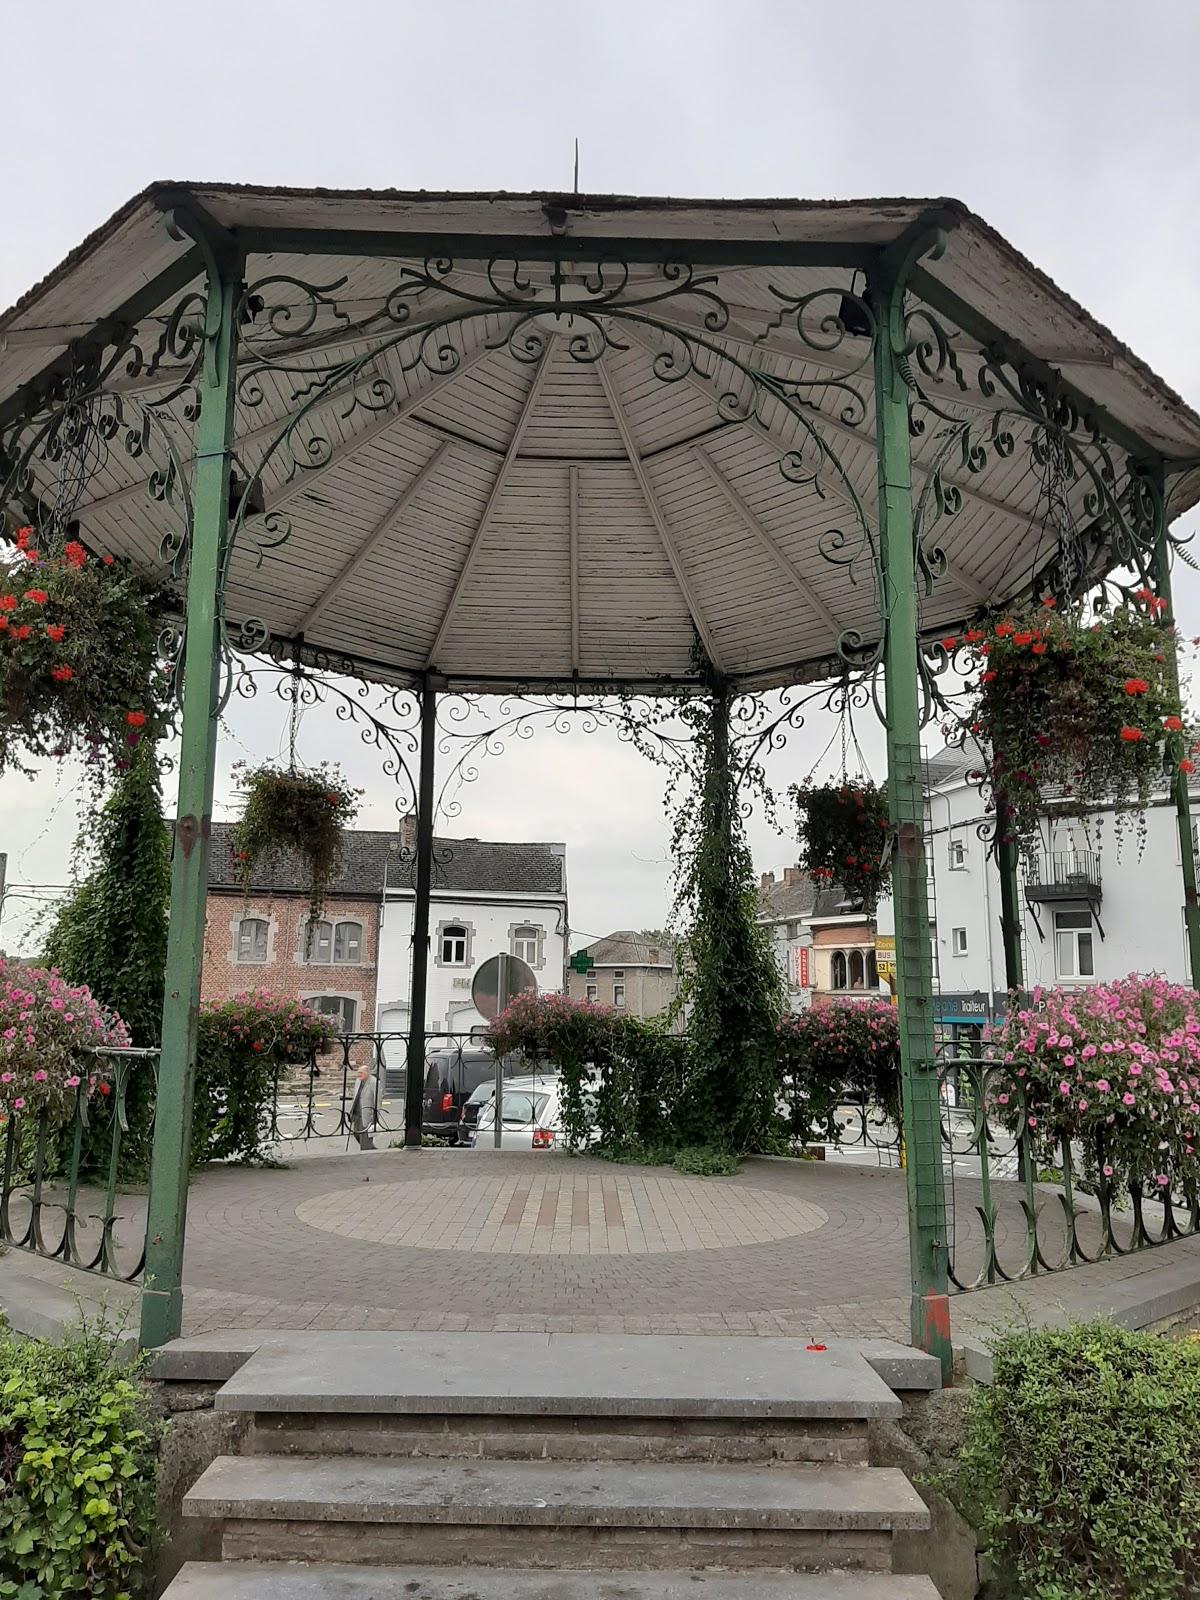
x=62, y=674
x=1131, y=735
x=1003, y=629
x=136, y=719
x=950, y=642
x=55, y=631
x=107, y=560
x=1049, y=602
x=74, y=554
x=24, y=535
x=987, y=677
x=32, y=555
x=1173, y=724
x=8, y=602
x=1187, y=765
x=21, y=632
x=1040, y=649
x=37, y=596
x=1136, y=685
x=1022, y=638
x=104, y=1088
x=973, y=635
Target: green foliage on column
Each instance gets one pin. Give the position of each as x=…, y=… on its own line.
x=731, y=986
x=112, y=935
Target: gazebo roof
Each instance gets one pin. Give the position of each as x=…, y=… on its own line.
x=545, y=496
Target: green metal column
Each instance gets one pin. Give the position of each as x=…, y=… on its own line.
x=1008, y=860
x=162, y=1293
x=1176, y=750
x=914, y=955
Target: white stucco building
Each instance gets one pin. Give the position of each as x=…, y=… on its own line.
x=488, y=898
x=1093, y=907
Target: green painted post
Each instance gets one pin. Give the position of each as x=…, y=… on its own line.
x=162, y=1292
x=1176, y=751
x=914, y=956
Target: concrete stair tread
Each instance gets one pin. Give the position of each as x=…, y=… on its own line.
x=560, y=1374
x=281, y=1580
x=337, y=1489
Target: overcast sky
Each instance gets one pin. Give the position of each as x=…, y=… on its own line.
x=1073, y=126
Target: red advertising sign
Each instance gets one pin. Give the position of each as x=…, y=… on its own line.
x=802, y=975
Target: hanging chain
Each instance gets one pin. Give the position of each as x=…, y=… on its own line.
x=294, y=719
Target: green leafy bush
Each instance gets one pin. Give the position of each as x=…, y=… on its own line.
x=243, y=1047
x=1081, y=1465
x=77, y=1472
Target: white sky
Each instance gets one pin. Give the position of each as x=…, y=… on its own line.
x=1073, y=127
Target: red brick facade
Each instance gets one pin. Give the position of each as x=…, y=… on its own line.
x=286, y=970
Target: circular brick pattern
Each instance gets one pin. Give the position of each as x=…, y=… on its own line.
x=585, y=1214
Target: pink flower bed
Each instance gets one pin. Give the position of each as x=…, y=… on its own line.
x=47, y=1028
x=1114, y=1067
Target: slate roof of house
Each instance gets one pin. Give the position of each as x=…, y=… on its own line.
x=625, y=948
x=784, y=901
x=465, y=866
x=952, y=764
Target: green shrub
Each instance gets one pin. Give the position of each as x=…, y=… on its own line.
x=1081, y=1465
x=77, y=1471
x=705, y=1161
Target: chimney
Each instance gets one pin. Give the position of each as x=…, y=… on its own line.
x=408, y=831
x=767, y=880
x=792, y=876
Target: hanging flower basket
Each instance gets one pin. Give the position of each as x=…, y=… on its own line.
x=844, y=829
x=79, y=666
x=1076, y=711
x=305, y=813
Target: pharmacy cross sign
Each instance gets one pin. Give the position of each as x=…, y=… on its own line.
x=581, y=961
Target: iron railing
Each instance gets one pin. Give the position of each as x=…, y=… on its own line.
x=61, y=1189
x=1063, y=875
x=1015, y=1210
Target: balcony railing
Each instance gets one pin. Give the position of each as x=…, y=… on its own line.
x=1064, y=875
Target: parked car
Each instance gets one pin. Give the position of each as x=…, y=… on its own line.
x=451, y=1077
x=531, y=1115
x=468, y=1117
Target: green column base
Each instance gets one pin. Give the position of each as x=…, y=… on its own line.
x=931, y=1329
x=162, y=1316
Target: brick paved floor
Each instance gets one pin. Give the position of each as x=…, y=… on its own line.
x=797, y=1248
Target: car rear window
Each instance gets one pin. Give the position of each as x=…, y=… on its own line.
x=518, y=1107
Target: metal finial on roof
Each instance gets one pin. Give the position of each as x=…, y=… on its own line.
x=576, y=166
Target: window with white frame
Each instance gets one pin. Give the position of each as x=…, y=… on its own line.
x=958, y=941
x=454, y=945
x=252, y=940
x=958, y=855
x=858, y=970
x=341, y=1010
x=347, y=943
x=619, y=989
x=838, y=978
x=526, y=942
x=593, y=991
x=1074, y=953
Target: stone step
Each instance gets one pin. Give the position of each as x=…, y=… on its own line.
x=557, y=1438
x=577, y=1375
x=562, y=1514
x=256, y=1580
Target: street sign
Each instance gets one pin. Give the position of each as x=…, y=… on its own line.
x=500, y=979
x=581, y=961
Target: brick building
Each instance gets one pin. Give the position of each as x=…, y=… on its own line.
x=259, y=938
x=823, y=940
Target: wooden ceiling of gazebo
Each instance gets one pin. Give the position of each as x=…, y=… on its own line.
x=541, y=509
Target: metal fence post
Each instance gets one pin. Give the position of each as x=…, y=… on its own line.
x=930, y=1310
x=162, y=1292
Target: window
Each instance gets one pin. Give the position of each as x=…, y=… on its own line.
x=1073, y=953
x=958, y=855
x=342, y=1011
x=454, y=945
x=252, y=939
x=619, y=996
x=793, y=930
x=347, y=943
x=858, y=970
x=837, y=970
x=525, y=944
x=958, y=941
x=593, y=991
x=320, y=943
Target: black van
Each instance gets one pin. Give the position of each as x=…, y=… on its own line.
x=451, y=1077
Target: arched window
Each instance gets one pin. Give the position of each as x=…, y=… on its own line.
x=858, y=970
x=252, y=940
x=454, y=945
x=339, y=1008
x=872, y=971
x=837, y=970
x=347, y=943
